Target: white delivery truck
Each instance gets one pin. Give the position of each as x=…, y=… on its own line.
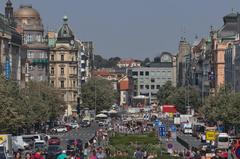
x=223, y=141
x=6, y=150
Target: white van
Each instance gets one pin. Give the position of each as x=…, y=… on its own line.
x=19, y=144
x=187, y=128
x=35, y=137
x=223, y=140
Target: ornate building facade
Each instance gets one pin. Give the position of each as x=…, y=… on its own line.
x=12, y=55
x=65, y=65
x=30, y=25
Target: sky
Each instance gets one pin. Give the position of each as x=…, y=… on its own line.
x=133, y=28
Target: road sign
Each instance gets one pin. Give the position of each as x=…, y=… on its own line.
x=162, y=130
x=210, y=135
x=237, y=152
x=170, y=146
x=173, y=128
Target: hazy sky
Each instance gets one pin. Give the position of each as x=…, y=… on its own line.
x=133, y=28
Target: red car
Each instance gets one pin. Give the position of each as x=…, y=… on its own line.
x=54, y=141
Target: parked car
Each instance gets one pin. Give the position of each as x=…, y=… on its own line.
x=54, y=141
x=19, y=144
x=60, y=129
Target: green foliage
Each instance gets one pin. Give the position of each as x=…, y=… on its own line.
x=34, y=104
x=103, y=89
x=179, y=96
x=100, y=62
x=224, y=106
x=135, y=139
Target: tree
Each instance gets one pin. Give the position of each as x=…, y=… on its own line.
x=23, y=108
x=224, y=107
x=164, y=92
x=179, y=96
x=182, y=97
x=112, y=62
x=100, y=89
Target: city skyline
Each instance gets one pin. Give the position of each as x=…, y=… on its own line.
x=136, y=29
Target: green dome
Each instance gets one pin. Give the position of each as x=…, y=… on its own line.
x=65, y=34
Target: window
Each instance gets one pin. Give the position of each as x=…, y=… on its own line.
x=62, y=57
x=62, y=84
x=158, y=86
x=40, y=67
x=141, y=86
x=74, y=83
x=52, y=83
x=30, y=68
x=152, y=80
x=147, y=86
x=135, y=86
x=74, y=70
x=152, y=86
x=141, y=73
x=52, y=57
x=62, y=71
x=30, y=55
x=135, y=73
x=147, y=73
x=52, y=70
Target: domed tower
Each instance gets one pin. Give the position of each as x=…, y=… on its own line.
x=65, y=33
x=30, y=25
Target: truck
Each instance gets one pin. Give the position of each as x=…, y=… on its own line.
x=187, y=128
x=6, y=150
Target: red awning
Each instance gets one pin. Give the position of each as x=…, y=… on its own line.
x=169, y=109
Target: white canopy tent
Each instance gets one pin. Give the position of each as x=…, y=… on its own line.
x=101, y=116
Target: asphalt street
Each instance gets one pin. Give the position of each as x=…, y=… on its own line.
x=85, y=134
x=192, y=141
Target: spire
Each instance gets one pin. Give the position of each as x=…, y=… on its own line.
x=9, y=3
x=9, y=10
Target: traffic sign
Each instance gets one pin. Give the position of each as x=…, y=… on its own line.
x=210, y=135
x=237, y=152
x=170, y=146
x=173, y=128
x=162, y=130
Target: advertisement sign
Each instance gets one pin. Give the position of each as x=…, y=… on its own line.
x=3, y=139
x=210, y=135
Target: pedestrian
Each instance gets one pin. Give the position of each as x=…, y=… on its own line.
x=93, y=156
x=18, y=155
x=27, y=155
x=100, y=154
x=138, y=154
x=63, y=155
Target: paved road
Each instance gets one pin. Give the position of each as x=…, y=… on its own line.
x=85, y=134
x=192, y=141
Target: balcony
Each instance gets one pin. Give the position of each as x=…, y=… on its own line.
x=39, y=61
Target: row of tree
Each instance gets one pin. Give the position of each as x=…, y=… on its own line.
x=99, y=93
x=35, y=104
x=179, y=96
x=222, y=107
